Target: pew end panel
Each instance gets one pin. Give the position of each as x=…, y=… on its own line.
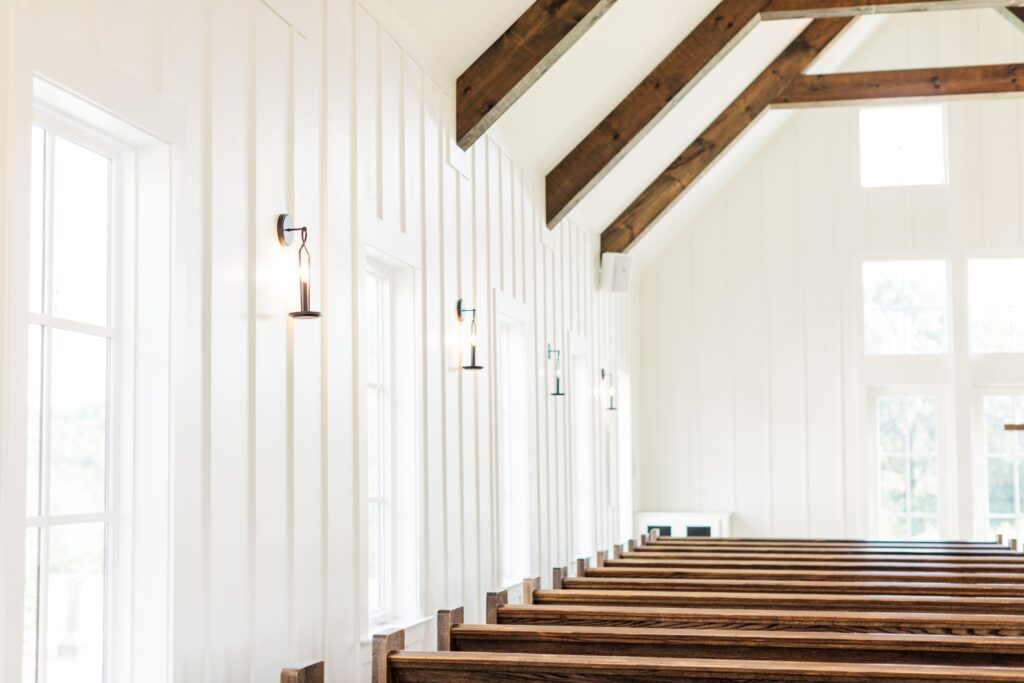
x=383, y=645
x=557, y=575
x=446, y=619
x=616, y=551
x=495, y=599
x=601, y=557
x=529, y=586
x=630, y=545
x=581, y=566
x=309, y=672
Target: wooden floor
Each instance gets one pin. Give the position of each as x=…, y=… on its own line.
x=743, y=610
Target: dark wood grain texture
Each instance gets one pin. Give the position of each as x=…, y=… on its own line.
x=638, y=112
x=871, y=86
x=698, y=157
x=793, y=9
x=941, y=604
x=1011, y=625
x=736, y=644
x=718, y=571
x=1007, y=558
x=383, y=645
x=733, y=550
x=514, y=62
x=467, y=667
x=1006, y=590
x=834, y=565
x=312, y=672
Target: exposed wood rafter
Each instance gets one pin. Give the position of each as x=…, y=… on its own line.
x=517, y=59
x=818, y=9
x=696, y=159
x=842, y=88
x=595, y=156
x=647, y=104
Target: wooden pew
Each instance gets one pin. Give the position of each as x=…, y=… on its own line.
x=454, y=635
x=1014, y=560
x=788, y=601
x=784, y=562
x=1010, y=625
x=717, y=572
x=731, y=550
x=397, y=666
x=312, y=672
x=816, y=541
x=589, y=582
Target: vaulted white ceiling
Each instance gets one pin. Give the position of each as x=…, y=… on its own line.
x=607, y=62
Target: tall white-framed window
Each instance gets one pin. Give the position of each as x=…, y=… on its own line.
x=906, y=460
x=583, y=451
x=391, y=436
x=71, y=509
x=380, y=467
x=624, y=452
x=1003, y=454
x=513, y=453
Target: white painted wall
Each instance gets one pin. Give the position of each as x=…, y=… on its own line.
x=753, y=390
x=322, y=110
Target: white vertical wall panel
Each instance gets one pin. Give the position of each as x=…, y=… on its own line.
x=316, y=109
x=749, y=322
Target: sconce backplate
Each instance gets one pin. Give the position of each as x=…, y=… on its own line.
x=284, y=227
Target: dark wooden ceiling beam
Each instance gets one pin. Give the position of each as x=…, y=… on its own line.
x=515, y=61
x=698, y=157
x=598, y=153
x=817, y=9
x=842, y=88
x=647, y=104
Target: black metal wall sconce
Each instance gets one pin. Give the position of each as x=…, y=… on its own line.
x=557, y=355
x=606, y=377
x=285, y=235
x=461, y=311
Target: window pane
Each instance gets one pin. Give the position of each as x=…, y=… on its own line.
x=375, y=564
x=75, y=614
x=35, y=290
x=892, y=435
x=373, y=453
x=893, y=497
x=890, y=526
x=922, y=424
x=78, y=417
x=902, y=146
x=998, y=413
x=924, y=486
x=31, y=616
x=904, y=307
x=372, y=320
x=1000, y=486
x=924, y=528
x=1006, y=526
x=35, y=429
x=996, y=314
x=80, y=233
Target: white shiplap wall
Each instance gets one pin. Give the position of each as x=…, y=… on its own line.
x=317, y=109
x=753, y=389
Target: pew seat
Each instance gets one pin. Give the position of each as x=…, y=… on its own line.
x=733, y=644
x=787, y=601
x=1009, y=625
x=729, y=572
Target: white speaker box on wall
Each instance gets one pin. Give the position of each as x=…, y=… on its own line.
x=615, y=272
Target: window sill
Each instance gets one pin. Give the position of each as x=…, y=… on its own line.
x=393, y=624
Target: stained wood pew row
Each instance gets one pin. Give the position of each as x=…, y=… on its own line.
x=1007, y=590
x=662, y=548
x=454, y=635
x=942, y=604
x=391, y=664
x=313, y=672
x=829, y=564
x=1009, y=560
x=1003, y=625
x=729, y=573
